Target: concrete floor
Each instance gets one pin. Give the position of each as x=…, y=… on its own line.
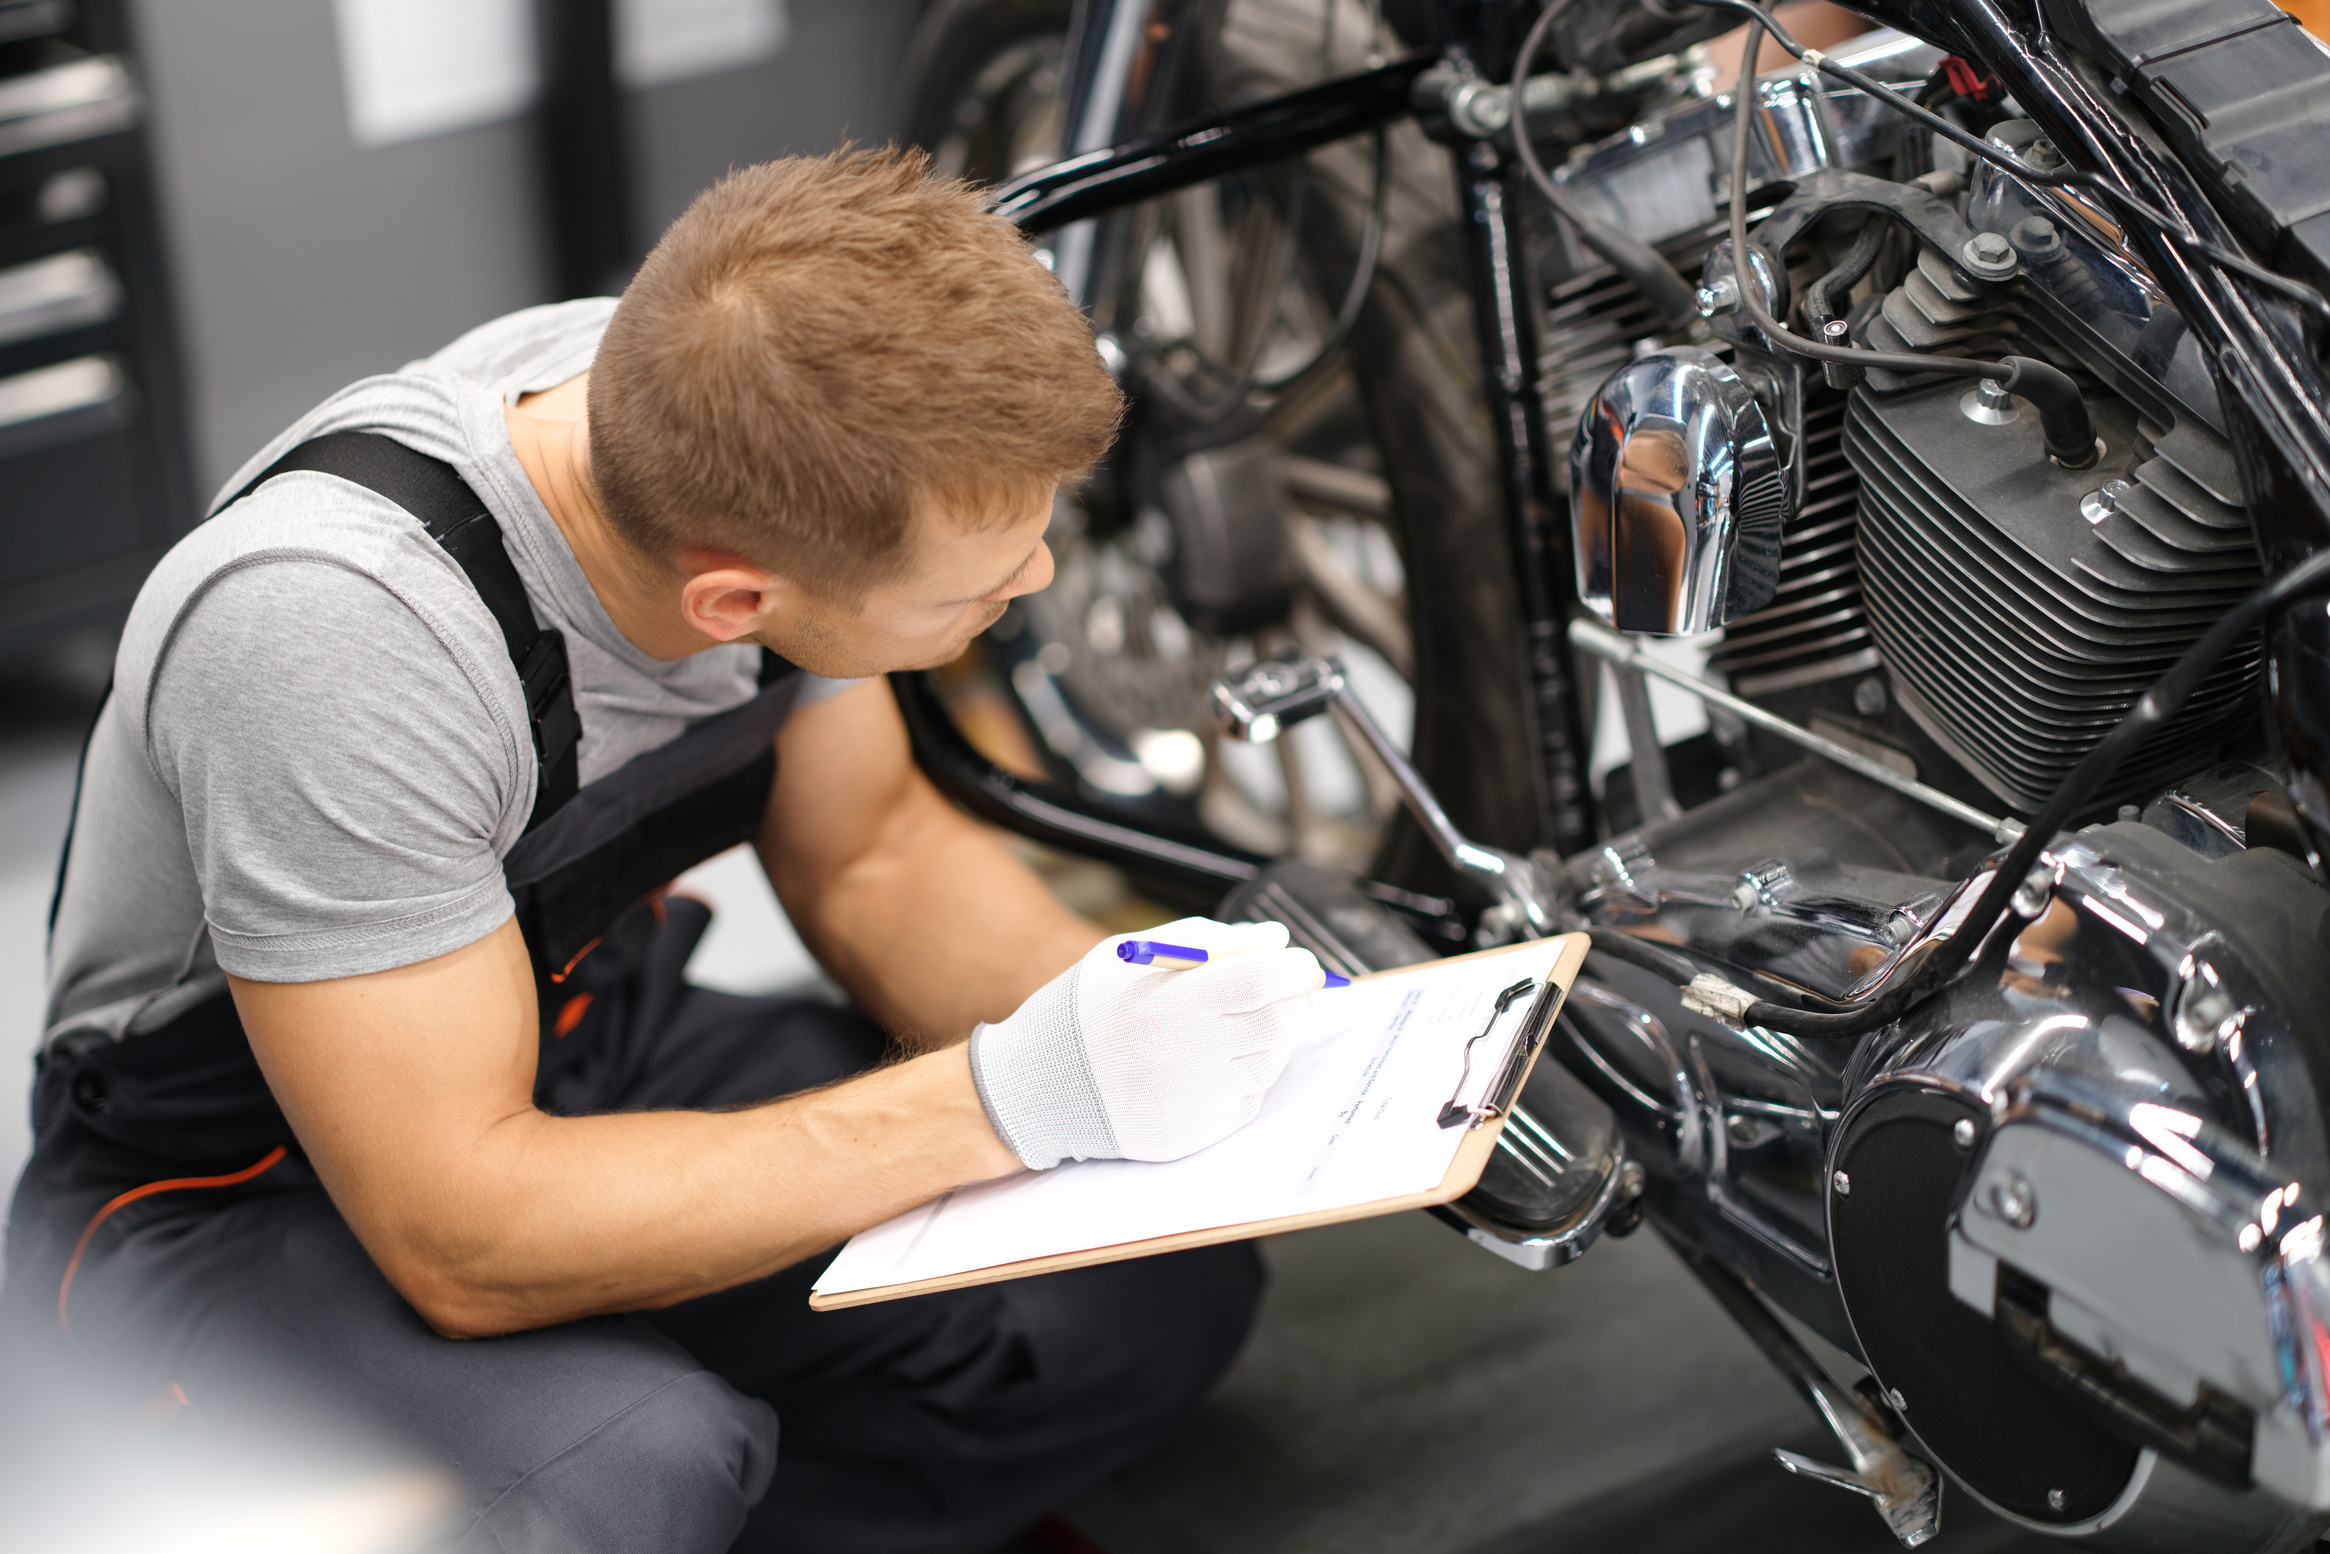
x=1404, y=1392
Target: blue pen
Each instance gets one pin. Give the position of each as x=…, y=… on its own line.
x=1180, y=957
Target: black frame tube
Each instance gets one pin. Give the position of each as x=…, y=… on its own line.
x=1055, y=816
x=1104, y=181
x=1497, y=266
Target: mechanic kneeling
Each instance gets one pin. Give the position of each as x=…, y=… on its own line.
x=367, y=1026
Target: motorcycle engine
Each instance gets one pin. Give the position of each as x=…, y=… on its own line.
x=2015, y=607
x=2069, y=1214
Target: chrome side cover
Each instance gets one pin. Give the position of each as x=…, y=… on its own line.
x=1678, y=497
x=2155, y=1263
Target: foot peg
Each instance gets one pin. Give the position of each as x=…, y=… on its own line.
x=1906, y=1490
x=1904, y=1487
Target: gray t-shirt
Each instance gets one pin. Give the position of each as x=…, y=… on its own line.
x=316, y=755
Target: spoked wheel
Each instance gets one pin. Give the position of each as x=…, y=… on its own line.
x=1282, y=482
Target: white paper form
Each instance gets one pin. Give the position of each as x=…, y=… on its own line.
x=1353, y=1120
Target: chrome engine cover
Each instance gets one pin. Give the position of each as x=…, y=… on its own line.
x=1677, y=496
x=2134, y=1067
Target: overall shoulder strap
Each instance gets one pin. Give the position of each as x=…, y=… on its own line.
x=460, y=522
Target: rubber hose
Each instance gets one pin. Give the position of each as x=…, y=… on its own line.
x=2063, y=417
x=1847, y=274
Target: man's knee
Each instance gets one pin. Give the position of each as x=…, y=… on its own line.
x=676, y=1470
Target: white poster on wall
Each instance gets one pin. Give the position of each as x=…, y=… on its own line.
x=658, y=42
x=416, y=68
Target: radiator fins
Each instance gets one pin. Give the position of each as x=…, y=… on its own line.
x=2017, y=641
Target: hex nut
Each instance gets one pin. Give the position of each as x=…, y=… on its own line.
x=1842, y=1183
x=1988, y=257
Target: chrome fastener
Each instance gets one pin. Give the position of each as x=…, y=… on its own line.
x=2015, y=1200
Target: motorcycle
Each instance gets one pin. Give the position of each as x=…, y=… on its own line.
x=1961, y=988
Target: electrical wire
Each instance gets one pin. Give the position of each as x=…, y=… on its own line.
x=1643, y=266
x=2169, y=227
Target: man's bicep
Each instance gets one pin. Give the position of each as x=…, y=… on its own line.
x=391, y=1079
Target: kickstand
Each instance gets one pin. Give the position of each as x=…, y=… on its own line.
x=1904, y=1487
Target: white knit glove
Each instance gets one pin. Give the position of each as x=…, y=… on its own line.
x=1112, y=1061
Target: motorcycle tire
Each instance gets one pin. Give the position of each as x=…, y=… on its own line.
x=1415, y=365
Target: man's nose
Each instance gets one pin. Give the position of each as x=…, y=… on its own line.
x=1036, y=576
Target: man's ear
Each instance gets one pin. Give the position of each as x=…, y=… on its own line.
x=728, y=600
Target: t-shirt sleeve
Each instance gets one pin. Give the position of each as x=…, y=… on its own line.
x=347, y=784
x=816, y=688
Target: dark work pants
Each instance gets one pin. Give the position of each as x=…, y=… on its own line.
x=941, y=1422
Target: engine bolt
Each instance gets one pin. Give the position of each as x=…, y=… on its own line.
x=2032, y=895
x=1895, y=1401
x=1987, y=257
x=2036, y=237
x=1743, y=1130
x=2056, y=1499
x=1989, y=404
x=1869, y=696
x=1843, y=1184
x=2015, y=1200
x=2104, y=500
x=1962, y=1132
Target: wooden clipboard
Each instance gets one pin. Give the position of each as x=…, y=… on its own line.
x=1464, y=1172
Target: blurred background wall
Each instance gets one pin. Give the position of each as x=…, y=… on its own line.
x=303, y=261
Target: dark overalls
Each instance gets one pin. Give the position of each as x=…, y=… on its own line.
x=169, y=1222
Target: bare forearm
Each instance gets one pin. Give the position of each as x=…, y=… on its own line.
x=938, y=929
x=564, y=1217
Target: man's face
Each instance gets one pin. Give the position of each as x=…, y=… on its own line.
x=958, y=579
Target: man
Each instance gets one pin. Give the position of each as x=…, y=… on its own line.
x=365, y=1071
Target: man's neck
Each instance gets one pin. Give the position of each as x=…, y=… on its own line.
x=550, y=434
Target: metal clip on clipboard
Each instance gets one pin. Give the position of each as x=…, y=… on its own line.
x=1499, y=1098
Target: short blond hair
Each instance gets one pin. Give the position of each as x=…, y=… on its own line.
x=822, y=347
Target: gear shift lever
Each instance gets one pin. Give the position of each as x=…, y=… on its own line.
x=1268, y=697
